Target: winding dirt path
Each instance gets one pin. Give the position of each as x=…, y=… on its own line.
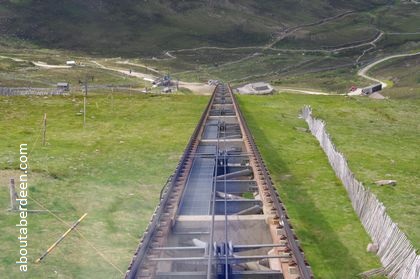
x=38, y=63
x=12, y=58
x=138, y=65
x=283, y=34
x=363, y=72
x=305, y=91
x=270, y=46
x=199, y=88
x=48, y=66
x=126, y=72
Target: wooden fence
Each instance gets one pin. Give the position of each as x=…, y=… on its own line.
x=396, y=253
x=23, y=91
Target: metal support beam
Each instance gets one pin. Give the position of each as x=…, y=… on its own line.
x=237, y=186
x=240, y=248
x=235, y=206
x=244, y=172
x=233, y=260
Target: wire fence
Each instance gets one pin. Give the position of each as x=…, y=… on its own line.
x=24, y=91
x=396, y=253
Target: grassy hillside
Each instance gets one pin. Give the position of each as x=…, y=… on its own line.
x=378, y=138
x=303, y=36
x=129, y=27
x=353, y=27
x=402, y=75
x=113, y=170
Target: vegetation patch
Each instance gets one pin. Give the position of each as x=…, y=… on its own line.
x=402, y=74
x=113, y=170
x=378, y=139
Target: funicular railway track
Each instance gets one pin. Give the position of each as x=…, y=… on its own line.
x=220, y=216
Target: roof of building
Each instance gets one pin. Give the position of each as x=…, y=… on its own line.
x=256, y=88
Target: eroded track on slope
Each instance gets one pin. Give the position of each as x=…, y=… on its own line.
x=220, y=216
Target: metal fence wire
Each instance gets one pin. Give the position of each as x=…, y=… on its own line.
x=24, y=91
x=396, y=253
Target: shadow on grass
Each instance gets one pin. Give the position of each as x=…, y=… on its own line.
x=328, y=256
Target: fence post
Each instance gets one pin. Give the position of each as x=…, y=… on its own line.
x=13, y=195
x=44, y=130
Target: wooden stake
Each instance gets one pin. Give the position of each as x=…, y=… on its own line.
x=84, y=102
x=84, y=111
x=112, y=99
x=13, y=195
x=44, y=131
x=61, y=238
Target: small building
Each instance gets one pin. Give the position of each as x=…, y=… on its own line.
x=256, y=88
x=63, y=85
x=372, y=89
x=163, y=81
x=71, y=63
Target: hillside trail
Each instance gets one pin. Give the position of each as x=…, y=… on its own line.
x=205, y=89
x=198, y=88
x=270, y=46
x=283, y=34
x=37, y=63
x=363, y=72
x=12, y=58
x=48, y=66
x=147, y=77
x=306, y=91
x=138, y=65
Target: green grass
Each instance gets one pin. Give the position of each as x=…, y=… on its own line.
x=377, y=137
x=398, y=18
x=333, y=81
x=113, y=170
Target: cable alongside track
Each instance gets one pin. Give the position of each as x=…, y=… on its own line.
x=220, y=216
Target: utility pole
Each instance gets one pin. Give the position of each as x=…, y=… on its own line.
x=44, y=130
x=84, y=104
x=112, y=99
x=85, y=84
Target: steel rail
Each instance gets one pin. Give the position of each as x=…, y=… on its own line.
x=226, y=215
x=144, y=252
x=140, y=253
x=213, y=205
x=296, y=252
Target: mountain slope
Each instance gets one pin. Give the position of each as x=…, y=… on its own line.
x=129, y=27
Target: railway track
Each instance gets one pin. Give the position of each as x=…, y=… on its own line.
x=219, y=215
